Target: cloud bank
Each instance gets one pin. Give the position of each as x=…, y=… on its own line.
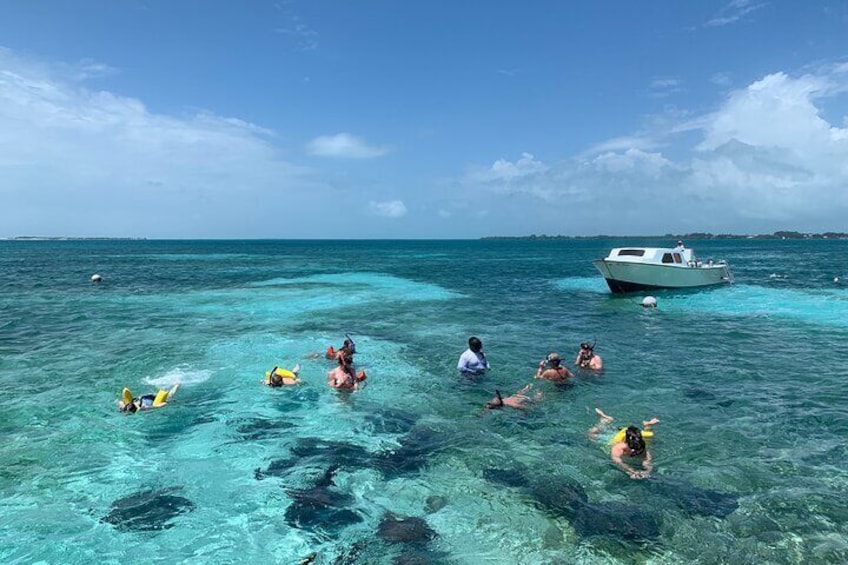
x=76, y=161
x=765, y=159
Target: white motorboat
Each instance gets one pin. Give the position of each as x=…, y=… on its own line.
x=630, y=269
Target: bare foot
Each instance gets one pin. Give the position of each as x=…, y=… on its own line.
x=604, y=418
x=296, y=369
x=650, y=422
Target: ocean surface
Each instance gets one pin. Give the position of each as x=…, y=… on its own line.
x=750, y=383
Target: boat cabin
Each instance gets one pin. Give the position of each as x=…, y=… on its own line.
x=653, y=255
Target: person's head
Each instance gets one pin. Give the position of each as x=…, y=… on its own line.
x=680, y=243
x=475, y=345
x=496, y=402
x=634, y=440
x=129, y=407
x=553, y=360
x=276, y=380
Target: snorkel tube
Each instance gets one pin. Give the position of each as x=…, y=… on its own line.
x=352, y=343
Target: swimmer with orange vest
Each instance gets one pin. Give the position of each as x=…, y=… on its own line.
x=347, y=349
x=345, y=377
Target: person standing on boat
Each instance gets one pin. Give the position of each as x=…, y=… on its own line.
x=473, y=361
x=679, y=248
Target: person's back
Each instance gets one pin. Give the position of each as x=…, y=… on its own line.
x=473, y=361
x=551, y=369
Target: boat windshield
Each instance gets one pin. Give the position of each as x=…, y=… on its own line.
x=633, y=252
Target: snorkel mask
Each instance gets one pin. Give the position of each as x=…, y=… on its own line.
x=635, y=441
x=496, y=404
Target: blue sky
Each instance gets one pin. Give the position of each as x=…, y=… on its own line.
x=389, y=119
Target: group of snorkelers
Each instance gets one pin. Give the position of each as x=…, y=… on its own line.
x=629, y=442
x=625, y=443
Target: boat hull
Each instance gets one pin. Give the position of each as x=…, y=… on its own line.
x=625, y=276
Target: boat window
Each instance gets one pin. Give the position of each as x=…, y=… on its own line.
x=677, y=258
x=667, y=258
x=633, y=252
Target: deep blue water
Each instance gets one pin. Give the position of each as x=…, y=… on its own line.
x=748, y=380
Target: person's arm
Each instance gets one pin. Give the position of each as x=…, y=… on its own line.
x=597, y=363
x=615, y=455
x=541, y=370
x=484, y=360
x=463, y=362
x=647, y=464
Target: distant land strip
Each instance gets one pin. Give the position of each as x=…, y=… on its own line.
x=65, y=238
x=684, y=236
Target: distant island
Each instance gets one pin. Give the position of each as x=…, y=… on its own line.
x=685, y=236
x=65, y=238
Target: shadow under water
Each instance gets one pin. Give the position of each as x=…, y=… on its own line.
x=589, y=519
x=321, y=508
x=147, y=510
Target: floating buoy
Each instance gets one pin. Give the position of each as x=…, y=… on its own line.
x=96, y=278
x=649, y=302
x=836, y=279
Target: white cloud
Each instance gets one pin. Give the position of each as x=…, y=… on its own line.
x=721, y=79
x=662, y=87
x=766, y=157
x=304, y=37
x=643, y=143
x=733, y=12
x=390, y=209
x=503, y=170
x=632, y=160
x=75, y=161
x=344, y=145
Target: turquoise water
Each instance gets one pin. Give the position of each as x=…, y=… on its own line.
x=748, y=380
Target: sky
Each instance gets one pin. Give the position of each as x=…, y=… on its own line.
x=410, y=119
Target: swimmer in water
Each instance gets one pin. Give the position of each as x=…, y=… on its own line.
x=632, y=445
x=131, y=405
x=282, y=377
x=551, y=369
x=587, y=358
x=519, y=400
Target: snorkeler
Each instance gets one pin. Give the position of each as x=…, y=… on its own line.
x=132, y=405
x=551, y=369
x=587, y=358
x=278, y=377
x=519, y=400
x=628, y=442
x=347, y=350
x=344, y=377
